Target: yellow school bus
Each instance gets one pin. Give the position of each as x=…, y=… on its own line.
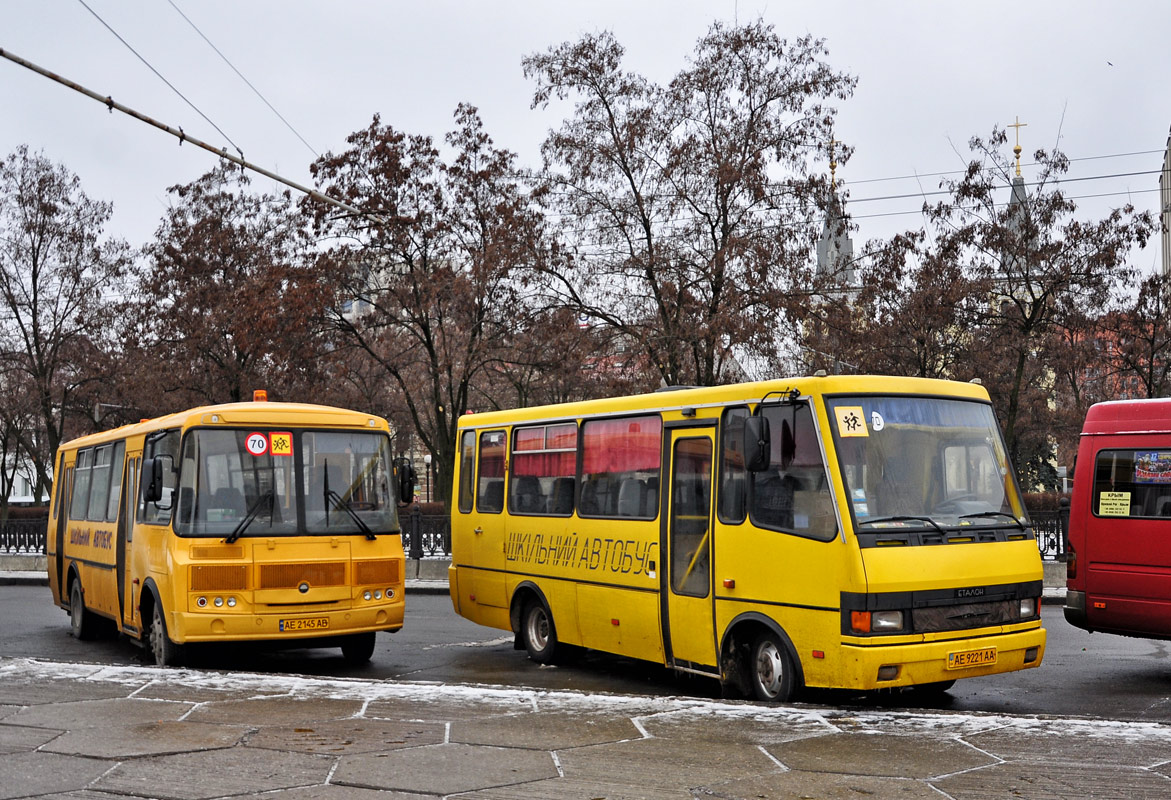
x=246, y=521
x=854, y=532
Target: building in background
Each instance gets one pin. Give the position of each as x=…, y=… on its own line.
x=1165, y=205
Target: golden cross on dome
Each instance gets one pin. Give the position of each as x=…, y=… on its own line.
x=1017, y=149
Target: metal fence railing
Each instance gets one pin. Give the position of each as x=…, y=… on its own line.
x=23, y=536
x=429, y=535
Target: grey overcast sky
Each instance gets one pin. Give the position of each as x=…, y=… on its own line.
x=1088, y=76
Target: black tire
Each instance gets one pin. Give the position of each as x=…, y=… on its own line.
x=83, y=624
x=166, y=652
x=357, y=648
x=771, y=673
x=538, y=633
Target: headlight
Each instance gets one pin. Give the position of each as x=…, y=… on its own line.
x=1028, y=607
x=366, y=595
x=886, y=621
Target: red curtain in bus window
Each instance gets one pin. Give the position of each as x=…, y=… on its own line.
x=542, y=463
x=621, y=445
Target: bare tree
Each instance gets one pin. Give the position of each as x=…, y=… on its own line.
x=232, y=297
x=435, y=266
x=689, y=208
x=58, y=278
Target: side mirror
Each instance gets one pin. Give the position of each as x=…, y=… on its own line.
x=407, y=478
x=757, y=444
x=153, y=471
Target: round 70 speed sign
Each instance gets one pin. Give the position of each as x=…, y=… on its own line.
x=257, y=444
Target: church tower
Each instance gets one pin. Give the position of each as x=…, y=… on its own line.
x=835, y=248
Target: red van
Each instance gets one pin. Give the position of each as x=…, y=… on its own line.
x=1119, y=567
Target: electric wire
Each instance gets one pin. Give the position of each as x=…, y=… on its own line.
x=256, y=91
x=160, y=77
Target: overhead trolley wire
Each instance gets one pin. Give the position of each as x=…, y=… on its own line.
x=288, y=124
x=160, y=77
x=179, y=134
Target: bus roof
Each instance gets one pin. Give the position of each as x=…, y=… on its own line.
x=1128, y=416
x=699, y=397
x=245, y=413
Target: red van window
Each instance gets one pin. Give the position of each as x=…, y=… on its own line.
x=1132, y=483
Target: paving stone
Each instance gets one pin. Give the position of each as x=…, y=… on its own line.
x=275, y=711
x=100, y=713
x=29, y=774
x=38, y=689
x=574, y=789
x=545, y=731
x=1029, y=780
x=445, y=709
x=196, y=693
x=445, y=769
x=146, y=739
x=21, y=739
x=7, y=711
x=349, y=736
x=879, y=754
x=748, y=727
x=1077, y=743
x=331, y=792
x=215, y=773
x=800, y=785
x=664, y=763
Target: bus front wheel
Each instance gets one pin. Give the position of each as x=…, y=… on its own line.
x=770, y=669
x=537, y=632
x=358, y=648
x=166, y=653
x=82, y=623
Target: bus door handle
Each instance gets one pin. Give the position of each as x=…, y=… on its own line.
x=477, y=531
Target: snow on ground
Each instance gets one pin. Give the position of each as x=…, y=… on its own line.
x=943, y=723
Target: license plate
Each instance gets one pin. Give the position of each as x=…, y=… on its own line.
x=971, y=658
x=305, y=624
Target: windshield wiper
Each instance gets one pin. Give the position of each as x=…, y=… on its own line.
x=338, y=502
x=1013, y=517
x=902, y=518
x=252, y=514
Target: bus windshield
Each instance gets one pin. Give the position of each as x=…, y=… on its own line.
x=238, y=483
x=923, y=462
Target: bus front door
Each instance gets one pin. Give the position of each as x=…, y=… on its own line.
x=686, y=544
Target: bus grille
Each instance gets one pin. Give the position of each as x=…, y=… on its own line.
x=965, y=616
x=217, y=551
x=219, y=577
x=289, y=576
x=376, y=572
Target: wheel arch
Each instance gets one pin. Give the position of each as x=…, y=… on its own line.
x=147, y=599
x=524, y=591
x=743, y=630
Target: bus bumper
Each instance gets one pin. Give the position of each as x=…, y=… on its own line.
x=887, y=666
x=244, y=626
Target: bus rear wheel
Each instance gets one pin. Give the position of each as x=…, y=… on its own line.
x=166, y=653
x=770, y=670
x=358, y=648
x=82, y=622
x=538, y=633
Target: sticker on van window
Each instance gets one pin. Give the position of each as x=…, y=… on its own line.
x=1152, y=467
x=851, y=421
x=281, y=443
x=1114, y=504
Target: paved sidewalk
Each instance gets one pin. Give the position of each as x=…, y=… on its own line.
x=87, y=732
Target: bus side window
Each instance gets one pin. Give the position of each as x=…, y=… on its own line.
x=115, y=491
x=467, y=471
x=793, y=494
x=82, y=473
x=159, y=512
x=490, y=490
x=733, y=477
x=621, y=461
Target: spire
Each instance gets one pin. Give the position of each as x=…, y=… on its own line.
x=1017, y=149
x=835, y=249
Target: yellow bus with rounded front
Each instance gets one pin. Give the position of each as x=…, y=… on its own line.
x=857, y=532
x=253, y=521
